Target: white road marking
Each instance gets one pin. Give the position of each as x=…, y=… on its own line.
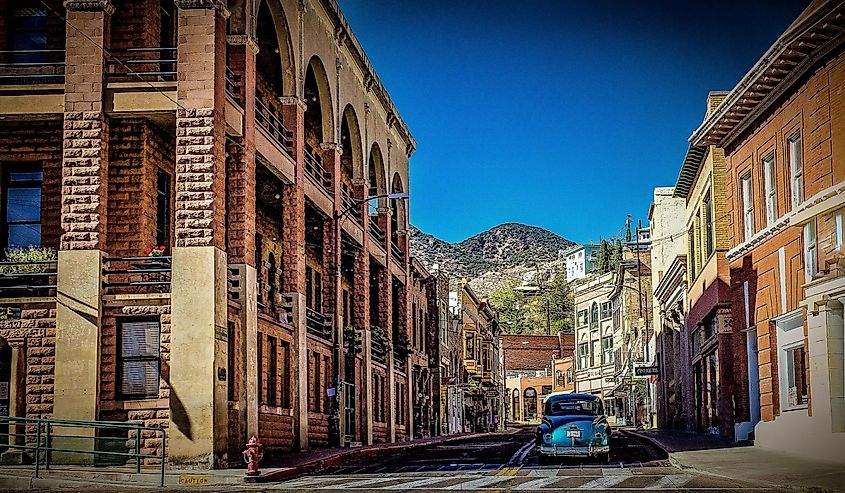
x=602, y=483
x=480, y=483
x=518, y=457
x=418, y=482
x=670, y=481
x=536, y=484
x=359, y=483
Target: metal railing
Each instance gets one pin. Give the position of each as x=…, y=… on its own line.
x=318, y=324
x=270, y=119
x=233, y=84
x=400, y=363
x=32, y=67
x=314, y=170
x=396, y=252
x=109, y=442
x=233, y=283
x=148, y=64
x=376, y=232
x=137, y=275
x=348, y=203
x=28, y=279
x=378, y=348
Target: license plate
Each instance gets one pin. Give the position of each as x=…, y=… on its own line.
x=573, y=433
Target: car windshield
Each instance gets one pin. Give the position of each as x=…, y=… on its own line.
x=570, y=407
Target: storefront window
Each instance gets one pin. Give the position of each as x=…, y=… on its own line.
x=792, y=361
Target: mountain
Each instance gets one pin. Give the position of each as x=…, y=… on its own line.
x=495, y=257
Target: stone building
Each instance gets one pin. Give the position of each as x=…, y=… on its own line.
x=484, y=377
x=668, y=279
x=782, y=128
x=247, y=138
x=595, y=339
x=717, y=348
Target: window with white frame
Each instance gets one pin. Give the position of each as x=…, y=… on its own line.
x=583, y=355
x=747, y=206
x=607, y=350
x=839, y=237
x=770, y=186
x=810, y=257
x=792, y=362
x=796, y=169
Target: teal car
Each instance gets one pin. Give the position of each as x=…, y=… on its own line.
x=574, y=425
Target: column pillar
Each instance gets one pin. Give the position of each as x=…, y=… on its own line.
x=361, y=323
x=241, y=226
x=367, y=381
x=293, y=272
x=84, y=200
x=198, y=365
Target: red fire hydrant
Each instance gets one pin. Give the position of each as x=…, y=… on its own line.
x=252, y=455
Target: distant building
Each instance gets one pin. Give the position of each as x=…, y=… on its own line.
x=531, y=366
x=580, y=261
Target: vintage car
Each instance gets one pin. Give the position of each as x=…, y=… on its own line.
x=573, y=425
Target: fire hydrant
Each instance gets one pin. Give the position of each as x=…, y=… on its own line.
x=252, y=455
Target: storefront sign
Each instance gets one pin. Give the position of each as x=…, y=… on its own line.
x=491, y=394
x=642, y=371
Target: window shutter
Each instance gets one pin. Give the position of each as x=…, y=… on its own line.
x=139, y=353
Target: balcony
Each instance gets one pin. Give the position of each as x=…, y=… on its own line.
x=27, y=67
x=156, y=64
x=400, y=362
x=136, y=275
x=347, y=202
x=233, y=85
x=270, y=119
x=376, y=232
x=378, y=345
x=28, y=279
x=396, y=253
x=318, y=325
x=315, y=171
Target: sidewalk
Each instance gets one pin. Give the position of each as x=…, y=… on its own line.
x=273, y=468
x=715, y=455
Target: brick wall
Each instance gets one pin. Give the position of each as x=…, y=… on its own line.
x=137, y=150
x=815, y=109
x=136, y=24
x=40, y=142
x=35, y=334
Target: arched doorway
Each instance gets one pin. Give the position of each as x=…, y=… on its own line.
x=515, y=404
x=529, y=404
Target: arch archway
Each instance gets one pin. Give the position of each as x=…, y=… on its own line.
x=375, y=174
x=351, y=158
x=318, y=115
x=398, y=216
x=515, y=404
x=274, y=62
x=529, y=401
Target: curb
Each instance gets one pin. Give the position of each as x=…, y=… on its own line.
x=334, y=460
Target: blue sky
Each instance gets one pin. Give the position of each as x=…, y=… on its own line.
x=559, y=114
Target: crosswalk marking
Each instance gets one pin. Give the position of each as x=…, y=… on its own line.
x=418, y=482
x=481, y=482
x=671, y=481
x=603, y=482
x=536, y=484
x=359, y=483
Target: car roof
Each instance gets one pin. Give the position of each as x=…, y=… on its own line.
x=572, y=397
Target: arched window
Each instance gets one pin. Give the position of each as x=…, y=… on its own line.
x=530, y=404
x=594, y=316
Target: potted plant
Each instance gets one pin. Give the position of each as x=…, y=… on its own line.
x=27, y=260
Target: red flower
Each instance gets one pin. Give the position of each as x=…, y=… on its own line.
x=162, y=248
x=148, y=250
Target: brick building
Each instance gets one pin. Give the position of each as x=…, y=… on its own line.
x=535, y=366
x=782, y=129
x=717, y=348
x=245, y=137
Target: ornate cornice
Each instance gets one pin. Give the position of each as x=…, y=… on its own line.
x=218, y=5
x=90, y=6
x=331, y=146
x=294, y=100
x=759, y=238
x=243, y=40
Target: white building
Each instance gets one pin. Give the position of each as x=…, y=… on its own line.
x=579, y=261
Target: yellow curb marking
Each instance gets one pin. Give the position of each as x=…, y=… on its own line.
x=507, y=471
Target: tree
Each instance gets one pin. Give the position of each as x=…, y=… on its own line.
x=511, y=307
x=559, y=300
x=616, y=254
x=603, y=258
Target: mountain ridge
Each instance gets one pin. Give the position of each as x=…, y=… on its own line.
x=493, y=258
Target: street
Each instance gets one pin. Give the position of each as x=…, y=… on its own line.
x=509, y=462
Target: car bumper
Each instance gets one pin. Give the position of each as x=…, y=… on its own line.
x=563, y=451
